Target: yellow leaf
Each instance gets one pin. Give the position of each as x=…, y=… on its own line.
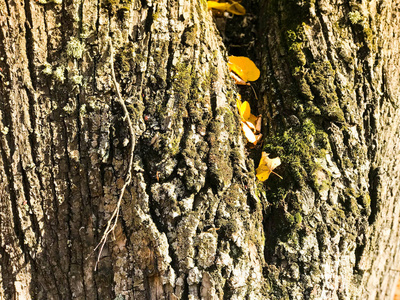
x=234, y=8
x=244, y=111
x=251, y=126
x=267, y=166
x=248, y=133
x=253, y=120
x=238, y=80
x=244, y=67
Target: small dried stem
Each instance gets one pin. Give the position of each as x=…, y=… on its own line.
x=255, y=94
x=277, y=174
x=112, y=222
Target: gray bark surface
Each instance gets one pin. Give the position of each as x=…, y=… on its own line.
x=194, y=223
x=330, y=89
x=186, y=229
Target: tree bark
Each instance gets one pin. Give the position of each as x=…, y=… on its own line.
x=190, y=221
x=194, y=223
x=330, y=89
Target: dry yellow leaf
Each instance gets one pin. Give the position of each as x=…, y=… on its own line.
x=258, y=138
x=238, y=80
x=244, y=67
x=248, y=133
x=244, y=110
x=267, y=166
x=234, y=8
x=251, y=126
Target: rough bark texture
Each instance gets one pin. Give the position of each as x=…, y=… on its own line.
x=190, y=222
x=331, y=91
x=194, y=224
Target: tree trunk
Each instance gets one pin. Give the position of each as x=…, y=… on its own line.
x=330, y=89
x=193, y=222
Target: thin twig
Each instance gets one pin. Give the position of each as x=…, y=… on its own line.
x=112, y=222
x=277, y=174
x=255, y=94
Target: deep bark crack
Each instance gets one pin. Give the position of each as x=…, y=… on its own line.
x=68, y=199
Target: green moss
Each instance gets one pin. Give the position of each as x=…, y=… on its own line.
x=322, y=142
x=315, y=83
x=125, y=60
x=294, y=220
x=291, y=35
x=289, y=147
x=298, y=218
x=294, y=41
x=308, y=128
x=290, y=219
x=305, y=89
x=182, y=79
x=324, y=186
x=321, y=79
x=369, y=37
x=229, y=120
x=211, y=76
x=174, y=146
x=298, y=147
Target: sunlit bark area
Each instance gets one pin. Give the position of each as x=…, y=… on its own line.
x=190, y=221
x=194, y=223
x=330, y=89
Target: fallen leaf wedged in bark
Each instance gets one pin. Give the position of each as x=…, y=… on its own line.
x=244, y=67
x=244, y=109
x=233, y=8
x=250, y=136
x=267, y=166
x=251, y=125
